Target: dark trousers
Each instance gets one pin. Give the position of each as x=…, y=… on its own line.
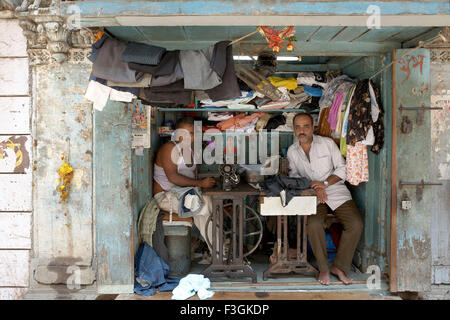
x=348, y=215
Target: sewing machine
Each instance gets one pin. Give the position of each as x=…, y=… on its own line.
x=229, y=176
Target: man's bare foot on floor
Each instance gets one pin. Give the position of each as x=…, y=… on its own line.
x=324, y=278
x=341, y=275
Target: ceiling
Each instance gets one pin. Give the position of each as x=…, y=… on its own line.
x=320, y=48
x=325, y=38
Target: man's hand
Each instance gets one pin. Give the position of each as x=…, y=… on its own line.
x=318, y=185
x=321, y=195
x=207, y=183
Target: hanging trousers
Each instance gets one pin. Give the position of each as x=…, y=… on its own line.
x=348, y=215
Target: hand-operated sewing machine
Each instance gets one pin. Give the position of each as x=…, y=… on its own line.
x=230, y=177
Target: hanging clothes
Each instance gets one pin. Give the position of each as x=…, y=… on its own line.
x=323, y=125
x=165, y=67
x=359, y=118
x=142, y=53
x=164, y=80
x=108, y=65
x=142, y=83
x=343, y=141
x=222, y=62
x=378, y=126
x=357, y=164
x=99, y=94
x=333, y=114
x=341, y=114
x=171, y=94
x=328, y=94
x=198, y=74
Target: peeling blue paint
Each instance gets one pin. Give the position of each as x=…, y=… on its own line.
x=208, y=8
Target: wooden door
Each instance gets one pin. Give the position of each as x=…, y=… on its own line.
x=113, y=199
x=411, y=163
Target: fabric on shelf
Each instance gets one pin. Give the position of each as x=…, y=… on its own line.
x=288, y=83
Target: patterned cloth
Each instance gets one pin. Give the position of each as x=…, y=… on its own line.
x=357, y=166
x=360, y=118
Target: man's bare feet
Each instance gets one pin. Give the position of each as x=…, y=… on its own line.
x=324, y=278
x=341, y=275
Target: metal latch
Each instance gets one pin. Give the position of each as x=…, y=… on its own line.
x=420, y=112
x=419, y=187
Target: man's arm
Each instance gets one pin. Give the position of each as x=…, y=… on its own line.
x=293, y=172
x=171, y=170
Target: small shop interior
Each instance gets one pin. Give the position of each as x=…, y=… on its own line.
x=240, y=90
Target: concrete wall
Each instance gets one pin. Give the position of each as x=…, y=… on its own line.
x=16, y=210
x=440, y=97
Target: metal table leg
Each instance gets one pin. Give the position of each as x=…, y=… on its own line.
x=236, y=267
x=284, y=264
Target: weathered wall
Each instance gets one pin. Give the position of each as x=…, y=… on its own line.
x=15, y=162
x=440, y=126
x=63, y=233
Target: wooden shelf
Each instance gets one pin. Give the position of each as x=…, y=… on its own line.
x=229, y=110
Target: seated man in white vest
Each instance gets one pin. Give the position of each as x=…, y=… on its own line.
x=174, y=168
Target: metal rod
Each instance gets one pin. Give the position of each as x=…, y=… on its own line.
x=420, y=108
x=286, y=244
x=298, y=236
x=420, y=183
x=241, y=230
x=421, y=44
x=221, y=232
x=234, y=233
x=242, y=38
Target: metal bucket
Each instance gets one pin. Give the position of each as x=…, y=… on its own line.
x=178, y=242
